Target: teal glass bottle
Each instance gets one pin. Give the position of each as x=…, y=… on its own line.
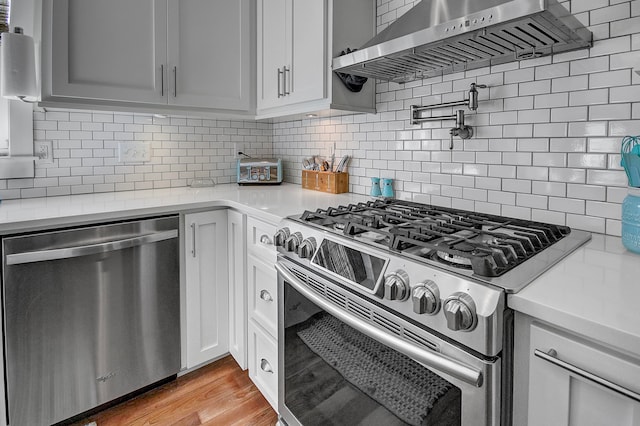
x=631, y=220
x=387, y=188
x=375, y=187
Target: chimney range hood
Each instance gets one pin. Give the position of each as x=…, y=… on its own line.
x=439, y=37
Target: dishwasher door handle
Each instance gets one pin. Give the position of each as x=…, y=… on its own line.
x=89, y=249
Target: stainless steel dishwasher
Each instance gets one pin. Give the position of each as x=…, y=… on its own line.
x=90, y=314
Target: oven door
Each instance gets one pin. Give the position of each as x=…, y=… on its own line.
x=346, y=360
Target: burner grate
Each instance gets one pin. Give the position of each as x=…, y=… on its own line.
x=489, y=245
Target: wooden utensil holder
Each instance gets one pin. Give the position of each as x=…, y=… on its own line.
x=331, y=182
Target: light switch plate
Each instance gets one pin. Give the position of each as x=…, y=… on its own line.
x=134, y=152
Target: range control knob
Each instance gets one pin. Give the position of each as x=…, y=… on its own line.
x=460, y=311
x=307, y=248
x=396, y=285
x=293, y=242
x=281, y=236
x=426, y=298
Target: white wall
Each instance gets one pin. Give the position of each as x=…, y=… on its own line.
x=547, y=132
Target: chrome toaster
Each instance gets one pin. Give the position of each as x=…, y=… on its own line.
x=253, y=171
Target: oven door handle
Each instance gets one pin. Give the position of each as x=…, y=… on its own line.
x=430, y=359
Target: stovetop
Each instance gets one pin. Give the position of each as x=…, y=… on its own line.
x=504, y=252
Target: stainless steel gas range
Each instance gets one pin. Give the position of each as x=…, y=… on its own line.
x=394, y=312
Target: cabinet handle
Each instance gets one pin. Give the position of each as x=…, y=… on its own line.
x=264, y=239
x=175, y=82
x=162, y=80
x=284, y=78
x=265, y=366
x=279, y=87
x=193, y=240
x=551, y=356
x=266, y=296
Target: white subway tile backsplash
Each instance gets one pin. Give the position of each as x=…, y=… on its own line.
x=626, y=26
x=551, y=100
x=595, y=128
x=610, y=79
x=612, y=13
x=589, y=66
x=535, y=88
x=570, y=84
x=569, y=114
x=555, y=189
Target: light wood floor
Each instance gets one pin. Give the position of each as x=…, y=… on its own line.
x=217, y=394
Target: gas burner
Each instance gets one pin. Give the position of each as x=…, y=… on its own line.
x=458, y=261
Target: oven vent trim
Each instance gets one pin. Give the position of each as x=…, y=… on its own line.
x=354, y=307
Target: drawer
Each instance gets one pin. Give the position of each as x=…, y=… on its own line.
x=260, y=239
x=262, y=279
x=263, y=363
x=580, y=380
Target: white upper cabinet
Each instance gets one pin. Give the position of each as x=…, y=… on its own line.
x=208, y=53
x=291, y=51
x=176, y=53
x=111, y=50
x=272, y=52
x=296, y=43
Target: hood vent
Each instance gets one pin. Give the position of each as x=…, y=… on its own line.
x=439, y=37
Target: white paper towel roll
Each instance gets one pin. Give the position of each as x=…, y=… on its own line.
x=17, y=67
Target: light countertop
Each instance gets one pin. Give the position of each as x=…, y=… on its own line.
x=270, y=203
x=593, y=292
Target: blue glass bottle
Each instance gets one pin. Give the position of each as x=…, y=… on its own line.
x=631, y=220
x=375, y=187
x=387, y=188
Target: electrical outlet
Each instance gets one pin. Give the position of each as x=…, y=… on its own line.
x=44, y=151
x=238, y=147
x=134, y=152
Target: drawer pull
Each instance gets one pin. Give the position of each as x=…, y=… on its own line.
x=266, y=296
x=265, y=366
x=264, y=239
x=551, y=356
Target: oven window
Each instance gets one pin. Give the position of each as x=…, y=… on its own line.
x=335, y=375
x=353, y=265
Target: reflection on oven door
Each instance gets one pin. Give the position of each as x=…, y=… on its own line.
x=335, y=375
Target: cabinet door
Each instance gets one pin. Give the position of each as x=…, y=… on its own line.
x=263, y=363
x=272, y=51
x=208, y=53
x=574, y=391
x=109, y=50
x=306, y=80
x=237, y=287
x=207, y=286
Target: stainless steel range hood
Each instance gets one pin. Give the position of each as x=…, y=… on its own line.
x=439, y=37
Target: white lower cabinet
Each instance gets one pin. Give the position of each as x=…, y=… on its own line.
x=573, y=381
x=207, y=287
x=263, y=362
x=236, y=234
